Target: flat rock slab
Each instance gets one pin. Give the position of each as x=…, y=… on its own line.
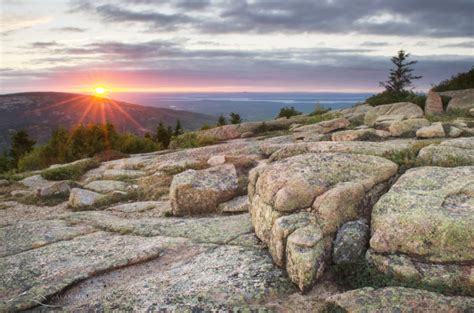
x=105, y=186
x=24, y=236
x=140, y=206
x=28, y=278
x=428, y=213
x=222, y=278
x=217, y=230
x=453, y=152
x=382, y=149
x=398, y=299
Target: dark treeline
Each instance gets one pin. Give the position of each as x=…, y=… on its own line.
x=81, y=142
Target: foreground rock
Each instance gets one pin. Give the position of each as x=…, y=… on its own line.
x=332, y=187
x=196, y=192
x=435, y=130
x=29, y=278
x=428, y=214
x=454, y=152
x=398, y=299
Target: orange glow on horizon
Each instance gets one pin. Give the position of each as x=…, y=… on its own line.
x=101, y=92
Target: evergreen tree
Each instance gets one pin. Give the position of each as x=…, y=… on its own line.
x=235, y=118
x=178, y=130
x=221, y=121
x=401, y=76
x=163, y=135
x=21, y=145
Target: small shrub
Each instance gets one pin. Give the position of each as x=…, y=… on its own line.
x=388, y=97
x=206, y=126
x=192, y=140
x=261, y=128
x=321, y=118
x=319, y=110
x=34, y=160
x=70, y=171
x=288, y=112
x=130, y=143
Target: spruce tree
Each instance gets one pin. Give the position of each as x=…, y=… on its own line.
x=163, y=135
x=401, y=76
x=221, y=121
x=235, y=118
x=178, y=130
x=21, y=145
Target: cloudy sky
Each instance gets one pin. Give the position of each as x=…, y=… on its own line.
x=228, y=45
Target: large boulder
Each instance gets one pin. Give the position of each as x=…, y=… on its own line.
x=383, y=115
x=462, y=100
x=454, y=152
x=333, y=187
x=428, y=214
x=397, y=299
x=435, y=130
x=433, y=104
x=324, y=127
x=407, y=128
x=197, y=192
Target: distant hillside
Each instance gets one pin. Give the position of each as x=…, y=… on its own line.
x=41, y=112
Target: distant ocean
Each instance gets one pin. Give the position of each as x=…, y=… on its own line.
x=251, y=106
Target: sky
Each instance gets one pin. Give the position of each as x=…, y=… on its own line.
x=229, y=45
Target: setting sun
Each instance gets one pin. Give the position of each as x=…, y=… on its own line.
x=100, y=91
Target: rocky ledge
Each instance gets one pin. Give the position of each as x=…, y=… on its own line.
x=370, y=210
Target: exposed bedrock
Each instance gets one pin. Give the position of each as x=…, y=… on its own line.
x=297, y=205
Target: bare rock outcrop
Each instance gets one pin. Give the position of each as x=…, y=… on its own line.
x=333, y=188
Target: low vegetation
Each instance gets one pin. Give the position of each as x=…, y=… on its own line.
x=459, y=81
x=360, y=274
x=70, y=171
x=288, y=112
x=319, y=110
x=387, y=97
x=192, y=140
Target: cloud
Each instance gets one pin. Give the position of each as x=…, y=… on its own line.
x=69, y=29
x=402, y=17
x=374, y=44
x=463, y=44
x=10, y=24
x=43, y=44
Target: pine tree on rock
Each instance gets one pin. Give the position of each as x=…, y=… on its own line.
x=401, y=76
